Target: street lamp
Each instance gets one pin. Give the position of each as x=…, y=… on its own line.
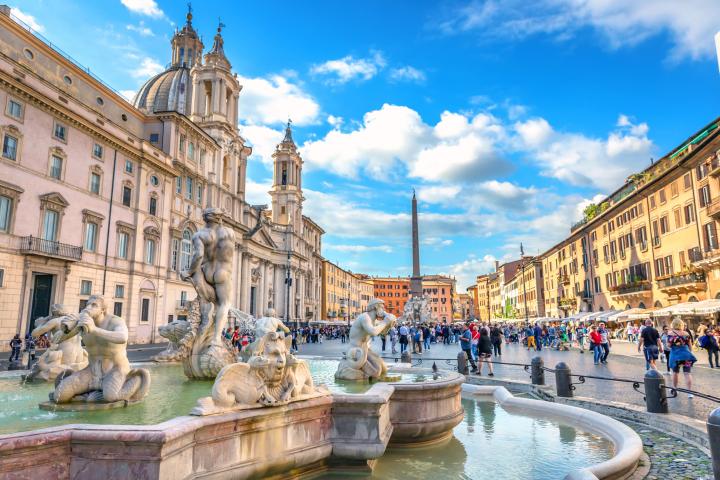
x=522, y=265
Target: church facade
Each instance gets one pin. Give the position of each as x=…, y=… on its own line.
x=98, y=195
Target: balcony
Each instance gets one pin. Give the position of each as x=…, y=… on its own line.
x=715, y=167
x=181, y=305
x=566, y=303
x=687, y=282
x=631, y=289
x=704, y=260
x=48, y=248
x=713, y=210
x=586, y=295
x=563, y=279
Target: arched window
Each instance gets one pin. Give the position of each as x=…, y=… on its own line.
x=692, y=299
x=657, y=304
x=642, y=305
x=186, y=250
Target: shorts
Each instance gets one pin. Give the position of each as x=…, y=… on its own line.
x=485, y=355
x=686, y=367
x=651, y=353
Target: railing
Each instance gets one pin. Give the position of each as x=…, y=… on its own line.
x=564, y=279
x=49, y=248
x=627, y=288
x=683, y=279
x=713, y=209
x=181, y=304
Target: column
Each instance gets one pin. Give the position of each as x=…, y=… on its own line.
x=262, y=287
x=195, y=98
x=223, y=97
x=215, y=96
x=245, y=284
x=237, y=274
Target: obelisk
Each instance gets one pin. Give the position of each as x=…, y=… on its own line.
x=416, y=279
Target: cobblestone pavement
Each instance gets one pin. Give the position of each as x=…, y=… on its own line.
x=671, y=458
x=619, y=366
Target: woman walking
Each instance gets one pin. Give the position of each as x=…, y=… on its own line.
x=680, y=354
x=485, y=352
x=710, y=343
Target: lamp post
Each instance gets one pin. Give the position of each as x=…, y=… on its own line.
x=522, y=265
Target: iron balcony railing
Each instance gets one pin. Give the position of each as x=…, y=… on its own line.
x=684, y=279
x=49, y=248
x=627, y=288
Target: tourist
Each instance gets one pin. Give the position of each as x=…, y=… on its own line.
x=466, y=345
x=15, y=345
x=530, y=337
x=595, y=341
x=418, y=340
x=710, y=343
x=30, y=346
x=537, y=332
x=393, y=338
x=680, y=354
x=244, y=342
x=604, y=342
x=403, y=333
x=235, y=339
x=294, y=343
x=580, y=335
x=475, y=339
x=485, y=352
x=496, y=340
x=383, y=340
x=666, y=347
x=427, y=336
x=651, y=344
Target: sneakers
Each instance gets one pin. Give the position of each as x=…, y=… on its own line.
x=690, y=395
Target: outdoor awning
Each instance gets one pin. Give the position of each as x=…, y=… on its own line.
x=631, y=314
x=705, y=307
x=578, y=317
x=601, y=316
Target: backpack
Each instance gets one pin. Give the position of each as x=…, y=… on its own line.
x=704, y=342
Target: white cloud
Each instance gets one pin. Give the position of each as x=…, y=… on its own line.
x=256, y=193
x=394, y=139
x=263, y=140
x=359, y=248
x=334, y=121
x=465, y=272
x=343, y=70
x=27, y=19
x=128, y=94
x=147, y=68
x=408, y=74
x=438, y=193
x=690, y=24
x=274, y=99
x=141, y=29
x=143, y=7
x=586, y=161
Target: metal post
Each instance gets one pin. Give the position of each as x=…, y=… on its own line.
x=655, y=396
x=713, y=428
x=563, y=380
x=537, y=374
x=462, y=363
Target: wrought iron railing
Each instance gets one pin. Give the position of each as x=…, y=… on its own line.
x=684, y=279
x=50, y=248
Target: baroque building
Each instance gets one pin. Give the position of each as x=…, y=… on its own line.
x=98, y=195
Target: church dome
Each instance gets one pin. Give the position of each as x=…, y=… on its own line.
x=167, y=91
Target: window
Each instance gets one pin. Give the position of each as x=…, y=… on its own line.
x=60, y=132
x=129, y=166
x=10, y=147
x=181, y=147
x=152, y=208
x=122, y=249
x=188, y=188
x=186, y=250
x=50, y=225
x=126, y=196
x=95, y=183
x=200, y=193
x=176, y=250
x=687, y=181
x=56, y=167
x=145, y=310
x=154, y=138
x=674, y=189
x=5, y=210
x=710, y=236
x=641, y=236
x=14, y=109
x=652, y=202
x=689, y=214
x=119, y=291
x=97, y=151
x=664, y=225
x=154, y=180
x=661, y=196
x=150, y=251
x=117, y=309
x=91, y=230
x=2, y=277
x=85, y=287
x=678, y=218
x=701, y=171
x=178, y=185
x=704, y=195
x=191, y=151
x=597, y=285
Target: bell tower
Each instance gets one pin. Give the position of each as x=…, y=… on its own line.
x=187, y=48
x=286, y=191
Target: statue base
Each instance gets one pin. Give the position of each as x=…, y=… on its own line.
x=85, y=406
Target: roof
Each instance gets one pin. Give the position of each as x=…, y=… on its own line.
x=170, y=90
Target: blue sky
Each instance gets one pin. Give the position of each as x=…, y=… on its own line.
x=506, y=118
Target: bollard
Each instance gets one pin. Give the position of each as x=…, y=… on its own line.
x=563, y=380
x=462, y=363
x=713, y=428
x=537, y=374
x=405, y=357
x=655, y=395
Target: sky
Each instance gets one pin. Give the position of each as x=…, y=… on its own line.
x=506, y=117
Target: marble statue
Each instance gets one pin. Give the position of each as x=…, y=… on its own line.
x=271, y=377
x=268, y=324
x=108, y=377
x=417, y=310
x=360, y=362
x=60, y=356
x=210, y=273
x=180, y=335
